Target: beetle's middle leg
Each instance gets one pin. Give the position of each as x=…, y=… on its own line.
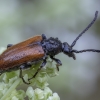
x=41, y=66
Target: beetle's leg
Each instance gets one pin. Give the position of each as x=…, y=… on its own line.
x=21, y=76
x=42, y=65
x=0, y=74
x=44, y=37
x=57, y=61
x=9, y=45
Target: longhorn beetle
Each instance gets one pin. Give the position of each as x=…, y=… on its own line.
x=38, y=48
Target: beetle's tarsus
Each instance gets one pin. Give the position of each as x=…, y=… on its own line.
x=57, y=61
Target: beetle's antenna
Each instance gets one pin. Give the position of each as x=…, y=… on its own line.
x=92, y=22
x=86, y=50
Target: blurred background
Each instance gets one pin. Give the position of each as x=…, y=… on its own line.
x=21, y=19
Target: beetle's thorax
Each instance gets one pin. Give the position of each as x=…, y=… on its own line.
x=52, y=46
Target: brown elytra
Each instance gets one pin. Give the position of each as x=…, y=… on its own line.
x=21, y=53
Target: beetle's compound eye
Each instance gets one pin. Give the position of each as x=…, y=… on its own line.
x=68, y=50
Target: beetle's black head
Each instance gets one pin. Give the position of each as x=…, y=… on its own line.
x=67, y=49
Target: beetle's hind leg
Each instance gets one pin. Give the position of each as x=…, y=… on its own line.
x=9, y=45
x=21, y=75
x=57, y=61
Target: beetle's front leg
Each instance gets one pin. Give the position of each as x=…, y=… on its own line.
x=57, y=61
x=42, y=65
x=21, y=75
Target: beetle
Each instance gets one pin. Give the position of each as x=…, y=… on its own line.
x=38, y=48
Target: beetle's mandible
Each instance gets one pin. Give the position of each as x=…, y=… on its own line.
x=38, y=48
